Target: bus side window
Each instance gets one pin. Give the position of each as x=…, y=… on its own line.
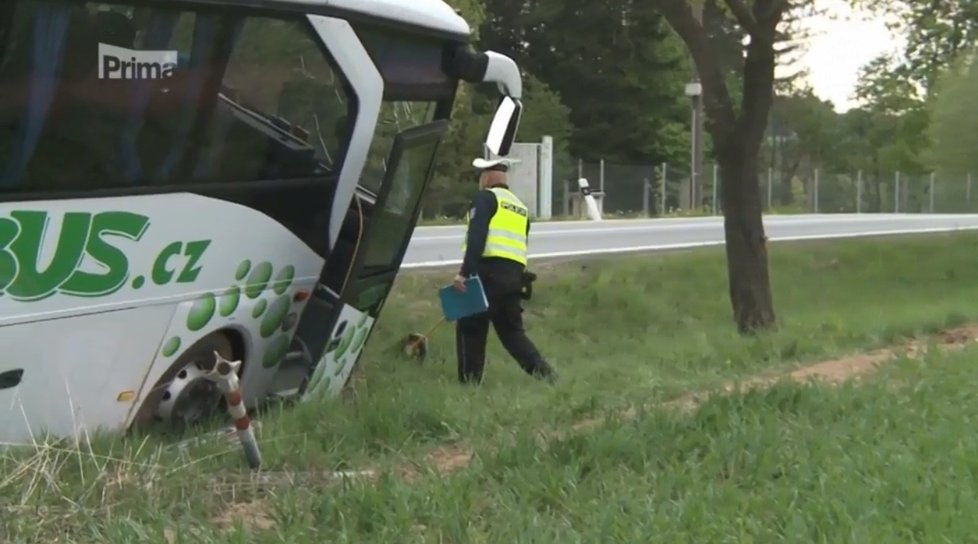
x=6, y=23
x=14, y=58
x=214, y=96
x=49, y=42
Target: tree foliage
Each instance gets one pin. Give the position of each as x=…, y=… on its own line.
x=606, y=79
x=922, y=105
x=954, y=115
x=615, y=65
x=936, y=32
x=544, y=113
x=802, y=133
x=896, y=116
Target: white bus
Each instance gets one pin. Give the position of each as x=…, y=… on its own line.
x=182, y=177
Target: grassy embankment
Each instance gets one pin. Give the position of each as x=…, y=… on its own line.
x=889, y=461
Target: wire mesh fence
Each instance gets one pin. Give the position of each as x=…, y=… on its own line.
x=646, y=190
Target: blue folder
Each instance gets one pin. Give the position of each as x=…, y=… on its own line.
x=457, y=305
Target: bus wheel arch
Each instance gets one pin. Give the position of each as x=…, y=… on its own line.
x=182, y=396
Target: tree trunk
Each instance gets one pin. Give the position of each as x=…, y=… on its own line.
x=737, y=140
x=787, y=175
x=877, y=195
x=746, y=244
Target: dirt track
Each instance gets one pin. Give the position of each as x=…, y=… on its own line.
x=452, y=458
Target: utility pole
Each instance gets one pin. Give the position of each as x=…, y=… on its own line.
x=694, y=90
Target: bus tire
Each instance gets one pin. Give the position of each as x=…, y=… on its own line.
x=182, y=396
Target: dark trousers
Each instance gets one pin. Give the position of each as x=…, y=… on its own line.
x=506, y=315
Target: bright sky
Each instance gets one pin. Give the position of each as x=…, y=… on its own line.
x=840, y=45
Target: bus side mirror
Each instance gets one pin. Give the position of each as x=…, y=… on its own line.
x=502, y=131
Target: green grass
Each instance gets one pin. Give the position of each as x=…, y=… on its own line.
x=876, y=463
x=795, y=463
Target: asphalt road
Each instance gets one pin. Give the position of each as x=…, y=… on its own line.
x=441, y=246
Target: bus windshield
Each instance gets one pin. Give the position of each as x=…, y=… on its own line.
x=100, y=95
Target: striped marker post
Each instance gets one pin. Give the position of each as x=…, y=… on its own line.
x=592, y=206
x=225, y=375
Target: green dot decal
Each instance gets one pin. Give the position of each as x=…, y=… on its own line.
x=284, y=279
x=344, y=343
x=171, y=346
x=138, y=282
x=275, y=316
x=363, y=320
x=229, y=301
x=243, y=269
x=326, y=382
x=314, y=379
x=358, y=340
x=258, y=279
x=201, y=312
x=259, y=308
x=276, y=351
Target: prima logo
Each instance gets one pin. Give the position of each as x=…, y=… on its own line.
x=128, y=64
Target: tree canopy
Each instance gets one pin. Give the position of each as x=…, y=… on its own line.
x=607, y=80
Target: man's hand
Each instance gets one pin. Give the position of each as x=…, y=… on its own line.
x=459, y=283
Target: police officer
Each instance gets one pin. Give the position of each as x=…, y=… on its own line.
x=496, y=251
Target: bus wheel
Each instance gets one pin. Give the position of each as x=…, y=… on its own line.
x=183, y=396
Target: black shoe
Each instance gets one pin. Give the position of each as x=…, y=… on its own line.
x=546, y=372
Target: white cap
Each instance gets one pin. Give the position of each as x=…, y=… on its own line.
x=502, y=164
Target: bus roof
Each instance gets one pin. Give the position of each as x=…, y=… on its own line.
x=432, y=14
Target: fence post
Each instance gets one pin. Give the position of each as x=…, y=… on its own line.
x=580, y=174
x=896, y=193
x=816, y=190
x=602, y=181
x=567, y=197
x=646, y=189
x=664, y=180
x=770, y=184
x=931, y=192
x=859, y=191
x=716, y=177
x=545, y=185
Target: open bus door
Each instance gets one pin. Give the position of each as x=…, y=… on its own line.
x=336, y=323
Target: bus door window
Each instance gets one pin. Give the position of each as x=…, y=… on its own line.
x=394, y=118
x=392, y=222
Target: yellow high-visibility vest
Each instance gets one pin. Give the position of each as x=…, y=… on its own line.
x=507, y=228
